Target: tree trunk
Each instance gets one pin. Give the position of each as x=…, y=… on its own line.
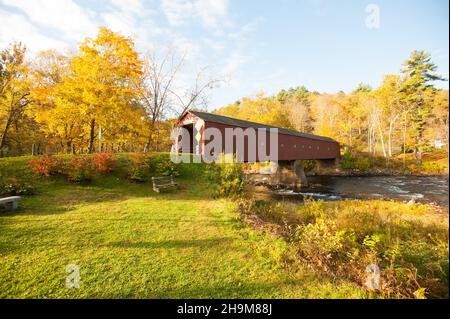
x=149, y=143
x=418, y=151
x=5, y=131
x=382, y=141
x=389, y=144
x=391, y=128
x=68, y=147
x=92, y=136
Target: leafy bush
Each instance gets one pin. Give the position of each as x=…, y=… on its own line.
x=105, y=162
x=45, y=165
x=138, y=167
x=81, y=169
x=13, y=187
x=353, y=161
x=226, y=180
x=141, y=166
x=161, y=164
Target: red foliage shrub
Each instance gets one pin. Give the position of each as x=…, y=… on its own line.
x=104, y=162
x=81, y=169
x=45, y=165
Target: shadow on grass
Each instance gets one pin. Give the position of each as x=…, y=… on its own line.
x=199, y=243
x=59, y=197
x=8, y=247
x=229, y=290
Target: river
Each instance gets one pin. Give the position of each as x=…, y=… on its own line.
x=422, y=189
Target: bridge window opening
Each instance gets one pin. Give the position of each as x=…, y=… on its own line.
x=190, y=140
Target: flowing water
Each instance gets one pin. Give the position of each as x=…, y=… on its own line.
x=422, y=189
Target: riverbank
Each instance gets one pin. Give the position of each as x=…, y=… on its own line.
x=433, y=164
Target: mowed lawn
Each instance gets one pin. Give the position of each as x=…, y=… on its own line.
x=130, y=242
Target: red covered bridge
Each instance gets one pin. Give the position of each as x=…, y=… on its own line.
x=292, y=145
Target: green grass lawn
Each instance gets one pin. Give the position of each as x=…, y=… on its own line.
x=131, y=242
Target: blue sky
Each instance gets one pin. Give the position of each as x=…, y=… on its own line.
x=256, y=45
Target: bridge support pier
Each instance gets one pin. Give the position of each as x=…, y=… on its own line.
x=300, y=174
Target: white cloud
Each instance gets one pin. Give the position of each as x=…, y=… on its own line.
x=129, y=6
x=117, y=22
x=244, y=31
x=212, y=13
x=185, y=47
x=15, y=27
x=177, y=11
x=63, y=15
x=218, y=46
x=136, y=21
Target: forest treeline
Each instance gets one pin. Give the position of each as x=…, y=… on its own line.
x=107, y=96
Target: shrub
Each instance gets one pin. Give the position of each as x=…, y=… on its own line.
x=232, y=180
x=354, y=161
x=105, y=162
x=13, y=187
x=138, y=167
x=45, y=165
x=81, y=169
x=161, y=164
x=226, y=180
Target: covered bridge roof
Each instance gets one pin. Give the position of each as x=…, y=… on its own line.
x=209, y=117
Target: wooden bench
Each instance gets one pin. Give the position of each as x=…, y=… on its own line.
x=163, y=182
x=11, y=202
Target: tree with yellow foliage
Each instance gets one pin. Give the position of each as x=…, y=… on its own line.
x=99, y=91
x=48, y=70
x=14, y=89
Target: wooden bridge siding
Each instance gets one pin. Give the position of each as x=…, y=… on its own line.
x=302, y=148
x=221, y=127
x=312, y=148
